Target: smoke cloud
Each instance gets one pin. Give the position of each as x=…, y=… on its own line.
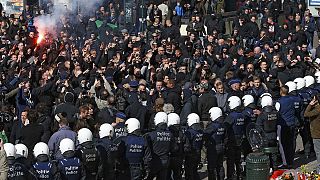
x=60, y=9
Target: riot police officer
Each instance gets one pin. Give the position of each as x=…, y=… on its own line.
x=160, y=142
x=135, y=149
x=43, y=168
x=88, y=153
x=20, y=169
x=11, y=153
x=107, y=150
x=310, y=86
x=176, y=158
x=298, y=105
x=287, y=124
x=119, y=128
x=235, y=124
x=250, y=113
x=69, y=167
x=268, y=121
x=292, y=91
x=194, y=134
x=214, y=141
x=250, y=108
x=304, y=129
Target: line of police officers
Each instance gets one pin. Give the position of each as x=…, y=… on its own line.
x=123, y=152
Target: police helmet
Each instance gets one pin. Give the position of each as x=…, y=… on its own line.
x=301, y=83
x=234, y=102
x=132, y=124
x=106, y=130
x=309, y=80
x=40, y=148
x=291, y=85
x=84, y=135
x=247, y=99
x=265, y=94
x=21, y=150
x=266, y=101
x=317, y=76
x=66, y=144
x=9, y=149
x=173, y=119
x=215, y=113
x=160, y=117
x=193, y=118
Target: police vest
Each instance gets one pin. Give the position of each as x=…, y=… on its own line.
x=305, y=97
x=196, y=139
x=249, y=113
x=134, y=149
x=270, y=122
x=238, y=125
x=161, y=140
x=43, y=170
x=119, y=130
x=70, y=168
x=179, y=140
x=297, y=102
x=317, y=87
x=108, y=146
x=312, y=91
x=17, y=171
x=218, y=135
x=90, y=158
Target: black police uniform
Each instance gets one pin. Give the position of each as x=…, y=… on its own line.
x=176, y=157
x=313, y=89
x=70, y=168
x=107, y=150
x=90, y=157
x=215, y=135
x=268, y=121
x=305, y=133
x=249, y=117
x=298, y=107
x=18, y=170
x=248, y=113
x=137, y=155
x=193, y=158
x=160, y=142
x=287, y=124
x=235, y=124
x=316, y=87
x=43, y=168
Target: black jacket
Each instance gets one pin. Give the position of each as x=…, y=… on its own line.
x=137, y=110
x=174, y=98
x=31, y=134
x=205, y=102
x=46, y=122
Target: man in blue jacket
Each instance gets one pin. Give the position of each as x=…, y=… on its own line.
x=286, y=128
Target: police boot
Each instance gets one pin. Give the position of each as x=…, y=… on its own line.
x=212, y=174
x=239, y=171
x=220, y=173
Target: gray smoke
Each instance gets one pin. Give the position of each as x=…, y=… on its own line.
x=60, y=9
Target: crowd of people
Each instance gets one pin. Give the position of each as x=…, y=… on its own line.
x=111, y=101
